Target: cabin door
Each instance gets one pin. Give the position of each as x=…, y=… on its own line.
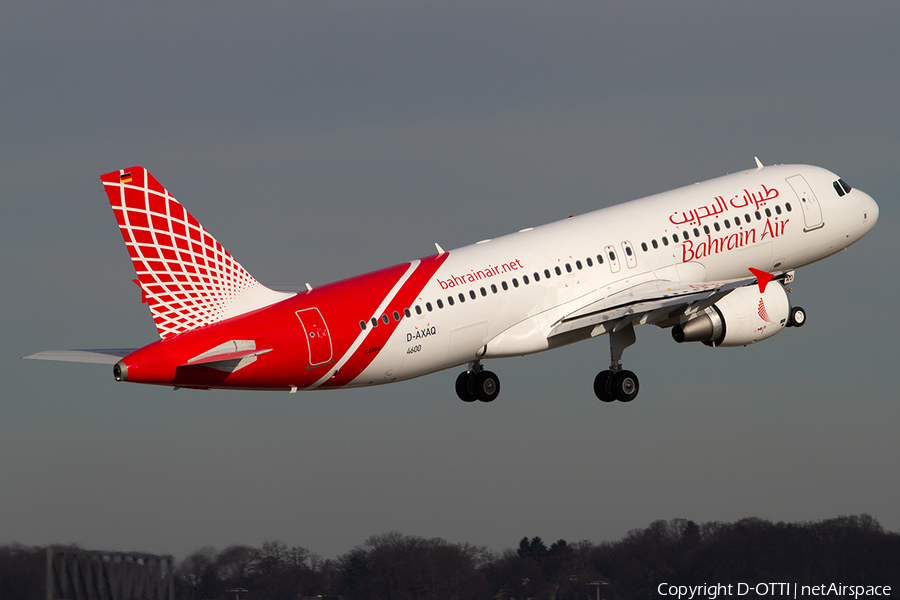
x=812, y=212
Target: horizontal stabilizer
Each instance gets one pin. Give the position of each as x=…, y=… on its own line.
x=230, y=356
x=105, y=357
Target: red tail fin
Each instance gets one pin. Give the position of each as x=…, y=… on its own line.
x=186, y=277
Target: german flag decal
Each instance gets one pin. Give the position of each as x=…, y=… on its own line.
x=125, y=177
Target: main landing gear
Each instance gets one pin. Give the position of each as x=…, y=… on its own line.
x=617, y=383
x=477, y=384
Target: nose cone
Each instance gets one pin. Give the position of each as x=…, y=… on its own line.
x=873, y=209
x=869, y=210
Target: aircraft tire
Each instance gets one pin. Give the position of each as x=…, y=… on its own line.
x=464, y=387
x=625, y=386
x=487, y=386
x=602, y=387
x=797, y=318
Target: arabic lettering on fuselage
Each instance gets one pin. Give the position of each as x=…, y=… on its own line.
x=719, y=205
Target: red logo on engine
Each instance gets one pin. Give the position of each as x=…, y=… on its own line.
x=763, y=313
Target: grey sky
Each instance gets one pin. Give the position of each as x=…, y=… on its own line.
x=321, y=140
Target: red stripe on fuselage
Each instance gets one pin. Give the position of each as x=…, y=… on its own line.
x=376, y=337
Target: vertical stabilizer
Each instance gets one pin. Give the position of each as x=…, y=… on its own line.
x=186, y=277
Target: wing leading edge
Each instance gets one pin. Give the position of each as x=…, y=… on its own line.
x=651, y=302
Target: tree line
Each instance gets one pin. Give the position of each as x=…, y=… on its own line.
x=851, y=550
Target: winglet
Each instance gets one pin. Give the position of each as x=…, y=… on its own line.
x=759, y=165
x=762, y=279
x=439, y=249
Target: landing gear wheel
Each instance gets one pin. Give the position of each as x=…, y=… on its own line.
x=625, y=386
x=602, y=387
x=465, y=388
x=797, y=318
x=486, y=386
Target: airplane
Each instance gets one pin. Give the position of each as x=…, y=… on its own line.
x=712, y=261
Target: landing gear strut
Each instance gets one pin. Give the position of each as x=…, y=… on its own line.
x=617, y=383
x=477, y=384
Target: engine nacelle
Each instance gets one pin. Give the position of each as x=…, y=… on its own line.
x=745, y=316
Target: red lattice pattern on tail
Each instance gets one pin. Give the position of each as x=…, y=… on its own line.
x=186, y=277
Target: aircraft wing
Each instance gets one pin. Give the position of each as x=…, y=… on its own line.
x=648, y=302
x=107, y=357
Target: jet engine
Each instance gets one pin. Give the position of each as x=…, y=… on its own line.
x=745, y=316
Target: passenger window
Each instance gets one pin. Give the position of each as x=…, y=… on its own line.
x=568, y=268
x=525, y=279
x=787, y=206
x=428, y=306
x=396, y=316
x=418, y=309
x=374, y=322
x=628, y=250
x=654, y=244
x=493, y=287
x=599, y=259
x=407, y=313
x=665, y=241
x=504, y=286
x=716, y=226
x=462, y=297
x=578, y=264
x=536, y=276
x=590, y=263
x=440, y=303
x=768, y=213
x=727, y=224
x=386, y=319
x=472, y=294
x=747, y=217
x=777, y=210
x=644, y=246
x=558, y=272
x=515, y=282
x=696, y=232
x=450, y=300
x=362, y=325
x=758, y=216
x=706, y=229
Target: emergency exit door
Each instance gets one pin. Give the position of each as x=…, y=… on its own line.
x=317, y=338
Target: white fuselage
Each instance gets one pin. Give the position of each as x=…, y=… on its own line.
x=774, y=219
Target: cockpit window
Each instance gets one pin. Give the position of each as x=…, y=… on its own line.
x=841, y=187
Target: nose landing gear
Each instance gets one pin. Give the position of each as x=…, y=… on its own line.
x=477, y=384
x=617, y=383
